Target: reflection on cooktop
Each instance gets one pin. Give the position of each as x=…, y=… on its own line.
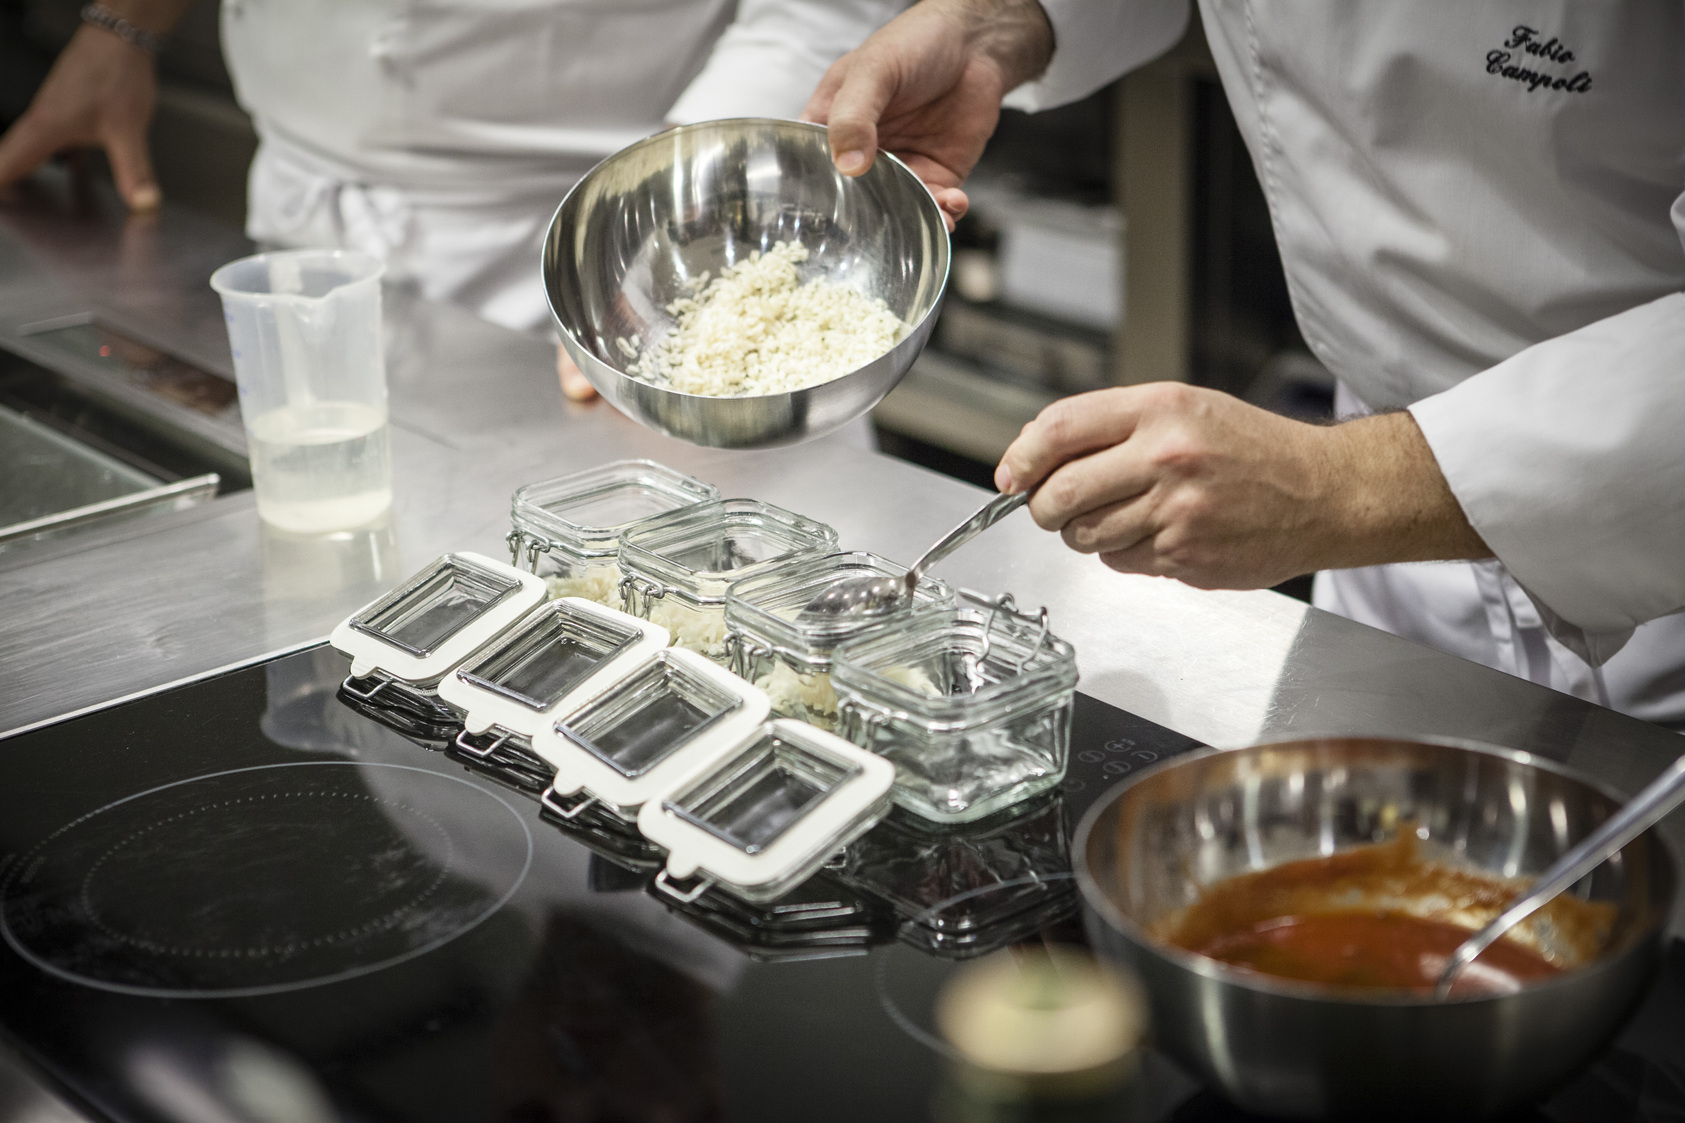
x=965, y=891
x=231, y=842
x=261, y=880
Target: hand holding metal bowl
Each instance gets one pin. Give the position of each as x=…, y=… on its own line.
x=636, y=233
x=1158, y=843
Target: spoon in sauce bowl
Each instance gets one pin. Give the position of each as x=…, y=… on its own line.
x=1663, y=794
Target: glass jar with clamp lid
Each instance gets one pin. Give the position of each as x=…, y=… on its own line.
x=675, y=568
x=567, y=530
x=785, y=651
x=971, y=703
x=676, y=713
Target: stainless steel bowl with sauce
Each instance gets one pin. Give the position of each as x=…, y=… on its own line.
x=1286, y=906
x=642, y=227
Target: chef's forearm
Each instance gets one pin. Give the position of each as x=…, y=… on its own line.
x=1016, y=36
x=99, y=93
x=1388, y=499
x=1015, y=33
x=1185, y=482
x=157, y=17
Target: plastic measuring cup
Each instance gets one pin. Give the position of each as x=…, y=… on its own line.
x=304, y=326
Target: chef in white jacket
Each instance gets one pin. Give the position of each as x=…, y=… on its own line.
x=440, y=135
x=1480, y=212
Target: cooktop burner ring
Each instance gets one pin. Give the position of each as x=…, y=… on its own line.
x=392, y=917
x=321, y=910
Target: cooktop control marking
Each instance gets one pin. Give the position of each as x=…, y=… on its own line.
x=266, y=879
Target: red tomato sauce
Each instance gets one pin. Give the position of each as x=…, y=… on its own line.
x=1369, y=949
x=1380, y=917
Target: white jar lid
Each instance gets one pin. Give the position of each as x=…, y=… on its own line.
x=605, y=748
x=548, y=664
x=421, y=630
x=782, y=800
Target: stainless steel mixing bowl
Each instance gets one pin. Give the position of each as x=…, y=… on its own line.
x=655, y=216
x=1300, y=1049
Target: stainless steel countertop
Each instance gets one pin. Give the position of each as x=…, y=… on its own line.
x=476, y=413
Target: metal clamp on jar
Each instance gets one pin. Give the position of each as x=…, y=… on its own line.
x=676, y=714
x=787, y=652
x=556, y=659
x=675, y=568
x=402, y=644
x=972, y=705
x=568, y=529
x=769, y=815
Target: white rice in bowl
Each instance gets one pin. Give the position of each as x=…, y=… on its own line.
x=756, y=329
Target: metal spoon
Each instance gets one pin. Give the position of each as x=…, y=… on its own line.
x=1663, y=794
x=879, y=596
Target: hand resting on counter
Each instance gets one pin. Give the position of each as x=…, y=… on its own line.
x=99, y=94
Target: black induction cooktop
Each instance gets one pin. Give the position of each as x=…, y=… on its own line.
x=243, y=899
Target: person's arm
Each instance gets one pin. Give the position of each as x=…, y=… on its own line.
x=767, y=62
x=99, y=93
x=1098, y=43
x=1569, y=458
x=929, y=86
x=762, y=65
x=1179, y=481
x=1565, y=461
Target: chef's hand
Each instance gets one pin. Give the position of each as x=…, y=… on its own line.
x=575, y=386
x=1183, y=482
x=927, y=86
x=99, y=94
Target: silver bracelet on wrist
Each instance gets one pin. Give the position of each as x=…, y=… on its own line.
x=102, y=17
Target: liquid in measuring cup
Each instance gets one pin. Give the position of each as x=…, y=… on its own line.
x=324, y=466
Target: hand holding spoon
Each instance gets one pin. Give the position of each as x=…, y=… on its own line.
x=868, y=597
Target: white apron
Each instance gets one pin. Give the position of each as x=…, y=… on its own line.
x=440, y=135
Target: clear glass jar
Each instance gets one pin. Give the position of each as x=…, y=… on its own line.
x=675, y=568
x=568, y=529
x=972, y=705
x=771, y=645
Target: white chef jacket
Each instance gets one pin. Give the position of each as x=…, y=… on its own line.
x=440, y=135
x=1480, y=214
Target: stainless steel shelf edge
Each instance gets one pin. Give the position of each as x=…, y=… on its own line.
x=215, y=435
x=194, y=490
x=185, y=680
